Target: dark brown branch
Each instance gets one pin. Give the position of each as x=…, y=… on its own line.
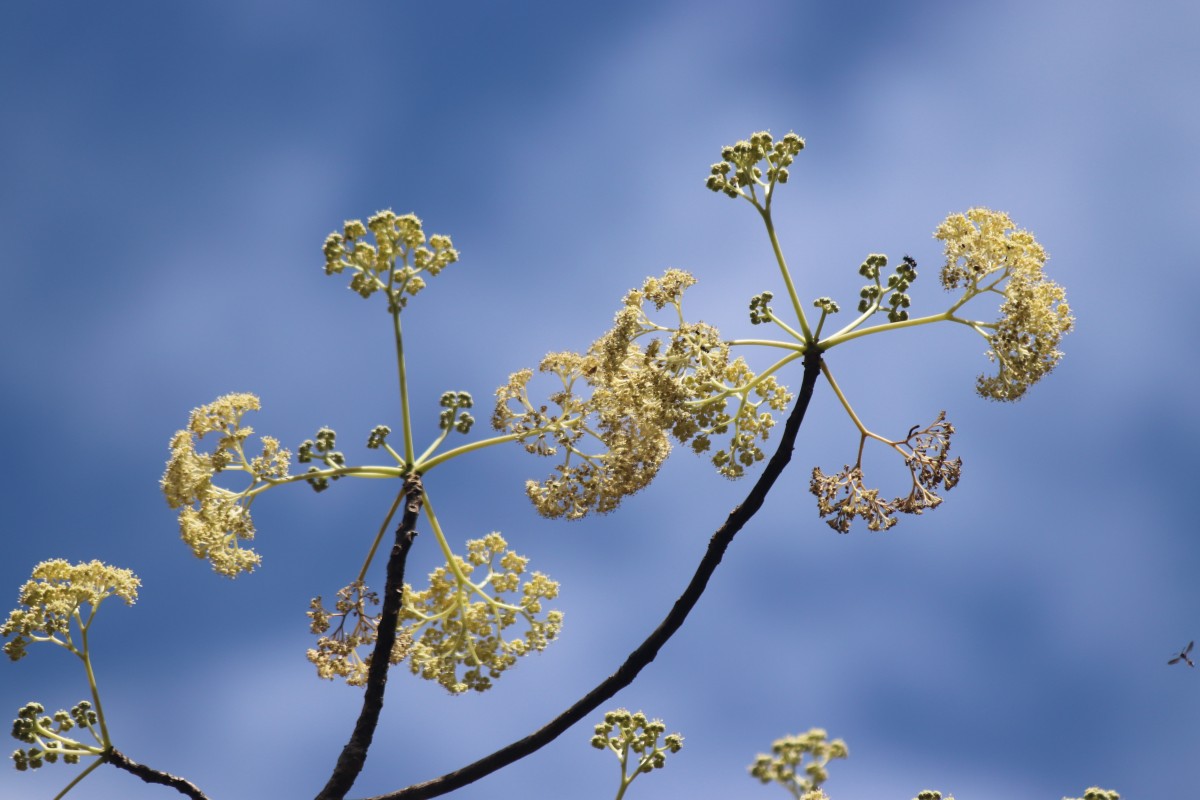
x=354, y=754
x=122, y=761
x=647, y=651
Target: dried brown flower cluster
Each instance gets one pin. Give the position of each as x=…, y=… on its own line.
x=925, y=451
x=336, y=655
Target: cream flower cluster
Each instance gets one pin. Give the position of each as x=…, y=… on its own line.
x=462, y=623
x=638, y=384
x=54, y=597
x=213, y=521
x=986, y=252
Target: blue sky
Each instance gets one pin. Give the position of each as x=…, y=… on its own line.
x=169, y=171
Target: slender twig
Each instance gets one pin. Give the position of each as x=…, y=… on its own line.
x=354, y=754
x=119, y=759
x=647, y=651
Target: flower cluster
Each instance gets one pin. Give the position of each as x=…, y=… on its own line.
x=336, y=655
x=630, y=395
x=984, y=250
x=926, y=454
x=213, y=520
x=460, y=622
x=375, y=268
x=1095, y=793
x=53, y=598
x=932, y=795
x=739, y=168
x=46, y=734
x=786, y=764
x=622, y=732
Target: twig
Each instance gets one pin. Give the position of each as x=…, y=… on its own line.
x=647, y=651
x=122, y=761
x=354, y=754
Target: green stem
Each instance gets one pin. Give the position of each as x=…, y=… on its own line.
x=78, y=778
x=423, y=466
x=404, y=412
x=451, y=562
x=846, y=335
x=362, y=573
x=845, y=403
x=356, y=472
x=91, y=675
x=765, y=213
x=799, y=348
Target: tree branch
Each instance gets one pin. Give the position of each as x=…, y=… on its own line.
x=354, y=754
x=149, y=775
x=647, y=651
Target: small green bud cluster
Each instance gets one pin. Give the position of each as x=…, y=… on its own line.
x=872, y=294
x=623, y=732
x=53, y=598
x=46, y=735
x=452, y=402
x=375, y=267
x=926, y=454
x=336, y=655
x=460, y=622
x=827, y=305
x=760, y=311
x=322, y=448
x=212, y=520
x=378, y=437
x=786, y=764
x=739, y=165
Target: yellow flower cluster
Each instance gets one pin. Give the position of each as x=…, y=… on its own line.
x=337, y=655
x=460, y=622
x=786, y=763
x=629, y=395
x=1094, y=793
x=374, y=266
x=985, y=252
x=213, y=520
x=53, y=597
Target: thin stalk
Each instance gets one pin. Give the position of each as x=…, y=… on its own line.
x=362, y=573
x=766, y=343
x=843, y=336
x=765, y=213
x=423, y=466
x=91, y=675
x=403, y=375
x=75, y=781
